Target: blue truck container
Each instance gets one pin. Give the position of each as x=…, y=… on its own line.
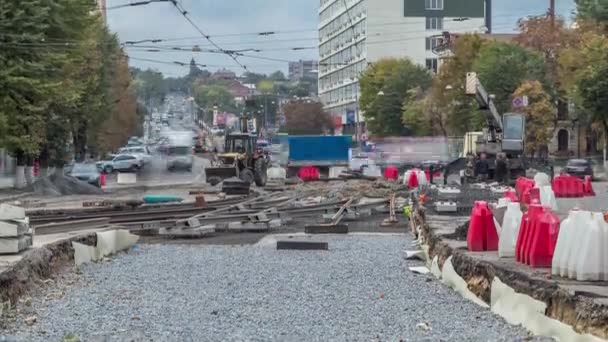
x=322, y=151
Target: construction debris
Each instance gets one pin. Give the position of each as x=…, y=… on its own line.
x=58, y=184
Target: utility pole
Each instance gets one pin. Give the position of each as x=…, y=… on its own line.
x=552, y=11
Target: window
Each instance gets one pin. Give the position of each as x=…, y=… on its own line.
x=432, y=43
x=434, y=23
x=431, y=64
x=434, y=4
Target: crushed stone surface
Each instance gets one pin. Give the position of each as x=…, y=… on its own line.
x=359, y=290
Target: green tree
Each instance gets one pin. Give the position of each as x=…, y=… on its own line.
x=451, y=111
x=502, y=67
x=384, y=92
x=253, y=78
x=305, y=117
x=584, y=68
x=214, y=95
x=540, y=115
x=596, y=10
x=277, y=76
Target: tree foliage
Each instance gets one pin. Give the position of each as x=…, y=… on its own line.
x=503, y=67
x=448, y=108
x=208, y=96
x=384, y=92
x=303, y=117
x=62, y=78
x=540, y=115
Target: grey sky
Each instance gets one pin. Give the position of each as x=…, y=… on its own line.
x=236, y=17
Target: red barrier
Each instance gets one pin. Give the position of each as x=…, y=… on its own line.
x=511, y=195
x=412, y=182
x=527, y=224
x=568, y=186
x=588, y=187
x=427, y=173
x=102, y=179
x=482, y=234
x=391, y=173
x=308, y=173
x=534, y=213
x=522, y=184
x=543, y=240
x=534, y=196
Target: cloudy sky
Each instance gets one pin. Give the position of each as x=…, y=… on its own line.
x=233, y=25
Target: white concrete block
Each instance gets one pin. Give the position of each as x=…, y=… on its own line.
x=126, y=178
x=13, y=229
x=336, y=171
x=15, y=245
x=11, y=212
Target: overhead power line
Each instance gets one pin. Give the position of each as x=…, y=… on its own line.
x=185, y=15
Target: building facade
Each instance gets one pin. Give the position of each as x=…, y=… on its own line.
x=303, y=69
x=355, y=33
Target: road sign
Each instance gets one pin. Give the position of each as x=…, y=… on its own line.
x=520, y=102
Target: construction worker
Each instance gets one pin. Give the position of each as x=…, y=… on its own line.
x=482, y=168
x=500, y=174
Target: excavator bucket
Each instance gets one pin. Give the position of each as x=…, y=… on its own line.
x=215, y=174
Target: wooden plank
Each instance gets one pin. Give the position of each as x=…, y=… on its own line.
x=302, y=245
x=326, y=229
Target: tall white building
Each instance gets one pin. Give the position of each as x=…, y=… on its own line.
x=355, y=33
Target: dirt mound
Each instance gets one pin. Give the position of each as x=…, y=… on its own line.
x=351, y=188
x=58, y=185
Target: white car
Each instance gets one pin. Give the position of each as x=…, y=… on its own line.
x=122, y=162
x=141, y=152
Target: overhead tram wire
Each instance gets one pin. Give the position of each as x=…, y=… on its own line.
x=185, y=15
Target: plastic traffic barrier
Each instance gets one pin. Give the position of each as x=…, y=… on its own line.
x=568, y=186
x=537, y=211
x=568, y=242
x=422, y=181
x=308, y=173
x=591, y=263
x=541, y=179
x=410, y=178
x=510, y=230
x=482, y=235
x=391, y=173
x=522, y=184
x=511, y=195
x=547, y=197
x=102, y=179
x=528, y=221
x=543, y=239
x=588, y=187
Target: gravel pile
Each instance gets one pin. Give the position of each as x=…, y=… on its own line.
x=360, y=290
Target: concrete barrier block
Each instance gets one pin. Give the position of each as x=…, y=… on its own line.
x=15, y=245
x=126, y=178
x=11, y=212
x=336, y=171
x=13, y=229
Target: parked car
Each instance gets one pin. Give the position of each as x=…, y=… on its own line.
x=122, y=162
x=89, y=173
x=579, y=167
x=141, y=152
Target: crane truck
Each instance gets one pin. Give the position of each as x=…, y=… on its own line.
x=501, y=134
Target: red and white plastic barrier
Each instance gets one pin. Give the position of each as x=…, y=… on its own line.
x=570, y=186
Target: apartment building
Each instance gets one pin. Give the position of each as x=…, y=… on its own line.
x=355, y=33
x=303, y=69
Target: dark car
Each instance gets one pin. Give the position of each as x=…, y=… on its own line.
x=579, y=168
x=89, y=173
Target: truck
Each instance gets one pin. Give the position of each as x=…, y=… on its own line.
x=503, y=134
x=320, y=151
